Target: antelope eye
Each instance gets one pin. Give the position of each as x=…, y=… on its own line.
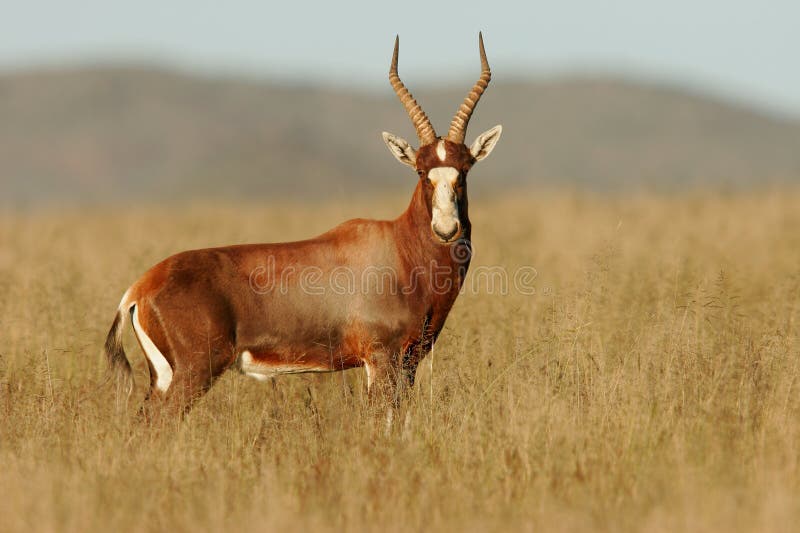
x=420, y=173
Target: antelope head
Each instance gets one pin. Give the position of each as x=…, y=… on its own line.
x=442, y=163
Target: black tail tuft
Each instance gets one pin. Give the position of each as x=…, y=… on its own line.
x=119, y=369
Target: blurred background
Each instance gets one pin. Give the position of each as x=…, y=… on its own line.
x=105, y=102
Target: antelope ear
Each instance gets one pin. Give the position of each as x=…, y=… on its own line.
x=485, y=143
x=400, y=149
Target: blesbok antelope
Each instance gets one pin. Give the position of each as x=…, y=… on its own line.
x=200, y=312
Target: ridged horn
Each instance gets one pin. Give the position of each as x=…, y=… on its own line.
x=458, y=127
x=422, y=123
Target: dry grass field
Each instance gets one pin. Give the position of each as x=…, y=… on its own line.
x=649, y=383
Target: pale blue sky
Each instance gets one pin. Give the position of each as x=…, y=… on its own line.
x=747, y=51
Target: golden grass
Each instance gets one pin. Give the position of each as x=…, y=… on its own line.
x=648, y=385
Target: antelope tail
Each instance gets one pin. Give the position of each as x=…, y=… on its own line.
x=119, y=369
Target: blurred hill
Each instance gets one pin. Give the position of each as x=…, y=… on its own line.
x=94, y=135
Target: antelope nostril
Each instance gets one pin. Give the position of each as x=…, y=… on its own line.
x=446, y=235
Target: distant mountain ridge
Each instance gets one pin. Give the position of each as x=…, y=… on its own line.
x=93, y=135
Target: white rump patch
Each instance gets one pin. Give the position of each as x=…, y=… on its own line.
x=441, y=151
x=156, y=358
x=265, y=371
x=124, y=305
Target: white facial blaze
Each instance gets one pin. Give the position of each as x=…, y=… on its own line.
x=441, y=151
x=445, y=209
